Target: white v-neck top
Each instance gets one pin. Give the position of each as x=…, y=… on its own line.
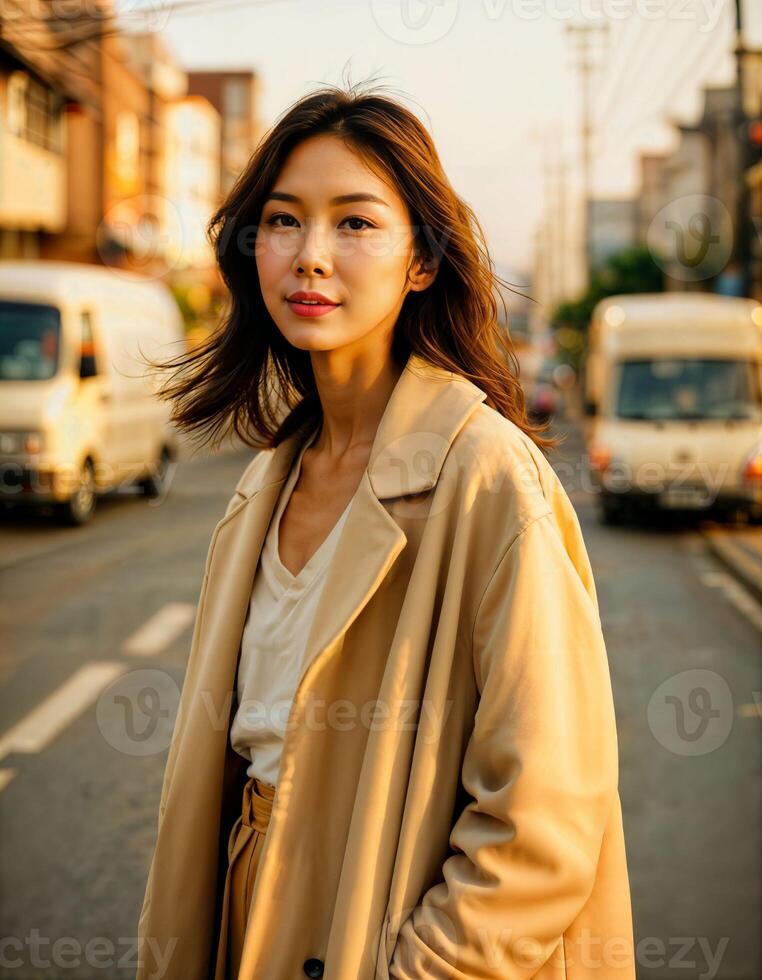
x=281, y=610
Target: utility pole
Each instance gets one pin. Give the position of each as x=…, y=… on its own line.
x=551, y=238
x=548, y=229
x=543, y=264
x=583, y=35
x=561, y=233
x=742, y=249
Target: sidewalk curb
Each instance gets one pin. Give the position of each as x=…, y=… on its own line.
x=737, y=560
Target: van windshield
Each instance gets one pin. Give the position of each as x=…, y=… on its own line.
x=30, y=336
x=688, y=389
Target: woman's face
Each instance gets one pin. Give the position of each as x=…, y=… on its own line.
x=331, y=226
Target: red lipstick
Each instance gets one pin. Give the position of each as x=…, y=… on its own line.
x=310, y=303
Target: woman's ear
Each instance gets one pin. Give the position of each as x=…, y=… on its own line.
x=422, y=274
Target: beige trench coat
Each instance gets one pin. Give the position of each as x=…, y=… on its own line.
x=447, y=802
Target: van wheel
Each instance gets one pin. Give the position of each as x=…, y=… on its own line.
x=79, y=508
x=156, y=483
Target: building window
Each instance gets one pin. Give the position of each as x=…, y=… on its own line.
x=34, y=111
x=127, y=149
x=235, y=98
x=16, y=107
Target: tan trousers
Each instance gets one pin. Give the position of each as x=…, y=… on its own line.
x=245, y=844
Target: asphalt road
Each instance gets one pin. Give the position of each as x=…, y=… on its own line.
x=86, y=612
x=684, y=643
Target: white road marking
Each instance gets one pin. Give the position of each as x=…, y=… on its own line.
x=749, y=710
x=47, y=720
x=160, y=630
x=6, y=775
x=37, y=730
x=741, y=598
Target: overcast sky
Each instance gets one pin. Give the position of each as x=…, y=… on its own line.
x=494, y=80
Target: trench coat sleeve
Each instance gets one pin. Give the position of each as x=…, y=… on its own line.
x=541, y=766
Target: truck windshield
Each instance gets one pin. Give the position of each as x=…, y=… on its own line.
x=30, y=335
x=689, y=389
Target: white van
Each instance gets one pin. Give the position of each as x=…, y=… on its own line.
x=78, y=410
x=673, y=388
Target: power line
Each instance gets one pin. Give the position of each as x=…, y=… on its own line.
x=110, y=25
x=678, y=84
x=632, y=68
x=583, y=34
x=622, y=66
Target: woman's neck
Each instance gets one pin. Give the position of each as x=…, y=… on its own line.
x=353, y=396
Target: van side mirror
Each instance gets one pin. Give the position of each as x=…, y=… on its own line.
x=87, y=368
x=590, y=407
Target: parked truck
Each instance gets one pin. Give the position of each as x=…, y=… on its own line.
x=673, y=396
x=78, y=411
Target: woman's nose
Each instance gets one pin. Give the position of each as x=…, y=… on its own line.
x=314, y=257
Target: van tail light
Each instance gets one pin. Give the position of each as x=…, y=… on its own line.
x=752, y=470
x=32, y=443
x=599, y=458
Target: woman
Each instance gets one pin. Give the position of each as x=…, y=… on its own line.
x=395, y=754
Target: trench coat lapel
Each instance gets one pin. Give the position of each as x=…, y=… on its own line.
x=368, y=544
x=421, y=418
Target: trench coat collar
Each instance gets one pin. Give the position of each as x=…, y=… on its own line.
x=425, y=411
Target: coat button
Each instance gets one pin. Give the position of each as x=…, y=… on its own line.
x=313, y=967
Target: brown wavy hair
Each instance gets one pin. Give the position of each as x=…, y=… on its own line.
x=245, y=374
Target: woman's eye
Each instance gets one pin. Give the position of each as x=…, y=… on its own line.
x=276, y=217
x=282, y=220
x=367, y=224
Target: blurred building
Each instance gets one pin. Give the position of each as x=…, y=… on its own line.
x=686, y=178
x=689, y=199
x=687, y=207
x=654, y=191
x=513, y=304
x=720, y=128
x=234, y=94
x=165, y=82
x=50, y=128
x=107, y=153
x=612, y=226
x=192, y=169
x=77, y=142
x=183, y=143
x=129, y=214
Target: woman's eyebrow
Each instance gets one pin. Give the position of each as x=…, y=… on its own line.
x=341, y=199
